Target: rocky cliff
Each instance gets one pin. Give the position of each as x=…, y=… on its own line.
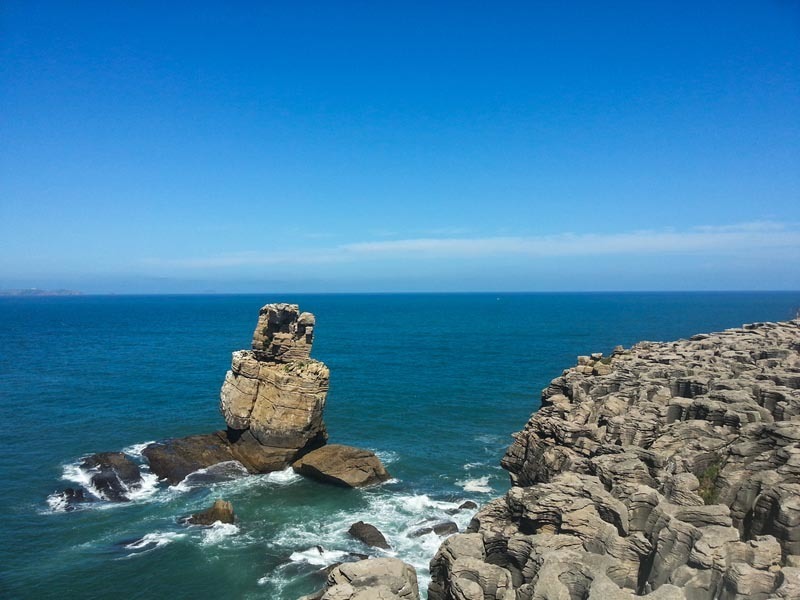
x=669, y=470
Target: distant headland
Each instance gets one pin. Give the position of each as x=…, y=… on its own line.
x=38, y=292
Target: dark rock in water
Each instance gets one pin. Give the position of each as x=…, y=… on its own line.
x=342, y=465
x=221, y=510
x=443, y=528
x=115, y=474
x=69, y=498
x=174, y=459
x=369, y=534
x=468, y=505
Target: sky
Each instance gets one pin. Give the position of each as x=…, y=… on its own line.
x=399, y=146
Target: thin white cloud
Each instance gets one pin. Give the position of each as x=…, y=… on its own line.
x=746, y=239
x=735, y=238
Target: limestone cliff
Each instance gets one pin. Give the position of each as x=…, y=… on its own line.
x=669, y=470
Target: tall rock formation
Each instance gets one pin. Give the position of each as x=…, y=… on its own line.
x=670, y=470
x=272, y=400
x=276, y=391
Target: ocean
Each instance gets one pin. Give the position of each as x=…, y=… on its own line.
x=434, y=383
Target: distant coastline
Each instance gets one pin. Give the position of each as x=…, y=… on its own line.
x=38, y=292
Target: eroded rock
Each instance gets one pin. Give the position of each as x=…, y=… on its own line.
x=668, y=470
x=272, y=400
x=373, y=579
x=368, y=534
x=221, y=511
x=342, y=465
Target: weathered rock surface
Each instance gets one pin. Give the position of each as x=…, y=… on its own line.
x=114, y=475
x=272, y=400
x=368, y=534
x=342, y=465
x=373, y=579
x=275, y=390
x=670, y=470
x=221, y=511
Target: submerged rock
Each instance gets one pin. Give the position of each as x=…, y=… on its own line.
x=69, y=499
x=221, y=511
x=114, y=474
x=668, y=470
x=443, y=528
x=369, y=534
x=342, y=465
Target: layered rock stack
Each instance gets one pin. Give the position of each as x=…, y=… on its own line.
x=276, y=392
x=272, y=399
x=670, y=470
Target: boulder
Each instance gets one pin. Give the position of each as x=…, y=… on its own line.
x=114, y=475
x=221, y=511
x=369, y=534
x=342, y=465
x=373, y=579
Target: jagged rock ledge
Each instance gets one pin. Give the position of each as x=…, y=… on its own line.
x=669, y=470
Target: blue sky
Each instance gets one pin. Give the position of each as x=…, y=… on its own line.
x=256, y=147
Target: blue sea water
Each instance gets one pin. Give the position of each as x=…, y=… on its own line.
x=435, y=383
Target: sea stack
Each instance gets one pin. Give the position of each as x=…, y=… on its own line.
x=275, y=391
x=666, y=471
x=272, y=400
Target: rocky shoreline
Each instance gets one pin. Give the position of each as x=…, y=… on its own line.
x=666, y=471
x=669, y=470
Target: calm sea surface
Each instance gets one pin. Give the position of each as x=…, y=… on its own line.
x=436, y=384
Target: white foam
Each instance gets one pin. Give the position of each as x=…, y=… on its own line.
x=136, y=450
x=74, y=473
x=57, y=502
x=474, y=465
x=397, y=516
x=145, y=489
x=284, y=477
x=318, y=556
x=387, y=456
x=152, y=541
x=479, y=484
x=227, y=471
x=218, y=532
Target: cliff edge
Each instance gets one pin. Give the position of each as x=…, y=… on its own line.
x=669, y=470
